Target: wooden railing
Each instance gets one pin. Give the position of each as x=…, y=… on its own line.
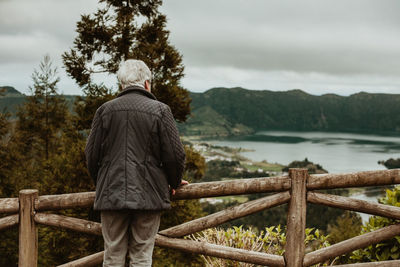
x=297, y=188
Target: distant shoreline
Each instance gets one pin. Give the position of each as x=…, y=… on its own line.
x=239, y=136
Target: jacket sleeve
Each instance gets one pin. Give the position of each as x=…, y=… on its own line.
x=93, y=146
x=172, y=151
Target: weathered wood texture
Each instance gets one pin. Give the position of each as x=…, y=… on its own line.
x=91, y=260
x=198, y=248
x=395, y=263
x=191, y=191
x=351, y=244
x=220, y=251
x=64, y=201
x=354, y=205
x=357, y=179
x=294, y=255
x=227, y=215
x=8, y=221
x=9, y=205
x=66, y=222
x=28, y=239
x=233, y=187
x=296, y=219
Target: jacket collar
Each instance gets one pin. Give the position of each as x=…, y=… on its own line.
x=137, y=90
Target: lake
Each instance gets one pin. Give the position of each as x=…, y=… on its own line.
x=335, y=152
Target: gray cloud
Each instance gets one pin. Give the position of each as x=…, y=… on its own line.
x=31, y=29
x=55, y=17
x=327, y=36
x=320, y=46
x=201, y=78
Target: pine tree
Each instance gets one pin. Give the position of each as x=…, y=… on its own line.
x=44, y=114
x=48, y=155
x=6, y=159
x=28, y=150
x=133, y=29
x=8, y=244
x=118, y=31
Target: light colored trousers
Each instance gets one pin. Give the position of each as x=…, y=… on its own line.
x=132, y=231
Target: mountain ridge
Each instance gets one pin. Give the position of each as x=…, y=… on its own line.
x=9, y=91
x=296, y=110
x=222, y=111
x=11, y=98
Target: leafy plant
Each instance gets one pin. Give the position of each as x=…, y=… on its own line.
x=271, y=241
x=347, y=225
x=389, y=249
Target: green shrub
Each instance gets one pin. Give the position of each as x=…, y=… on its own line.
x=271, y=241
x=389, y=249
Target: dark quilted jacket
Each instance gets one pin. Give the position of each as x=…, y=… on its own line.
x=134, y=153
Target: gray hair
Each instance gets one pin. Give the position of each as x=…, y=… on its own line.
x=133, y=72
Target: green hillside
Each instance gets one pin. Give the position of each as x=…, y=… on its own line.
x=10, y=99
x=8, y=91
x=206, y=121
x=238, y=111
x=220, y=110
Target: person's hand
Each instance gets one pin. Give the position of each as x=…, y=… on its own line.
x=182, y=183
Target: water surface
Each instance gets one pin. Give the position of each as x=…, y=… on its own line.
x=336, y=152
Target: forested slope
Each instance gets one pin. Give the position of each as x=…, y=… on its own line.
x=238, y=110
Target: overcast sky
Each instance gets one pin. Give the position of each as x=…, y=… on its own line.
x=330, y=46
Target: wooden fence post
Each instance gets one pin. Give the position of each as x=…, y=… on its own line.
x=28, y=239
x=296, y=219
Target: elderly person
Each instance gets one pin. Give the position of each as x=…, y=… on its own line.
x=135, y=156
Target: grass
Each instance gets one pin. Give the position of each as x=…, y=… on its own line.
x=271, y=167
x=227, y=199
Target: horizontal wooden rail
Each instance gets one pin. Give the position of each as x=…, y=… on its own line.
x=357, y=179
x=223, y=188
x=233, y=187
x=394, y=263
x=75, y=224
x=354, y=205
x=191, y=191
x=196, y=247
x=91, y=260
x=9, y=205
x=65, y=201
x=9, y=221
x=351, y=244
x=220, y=251
x=29, y=203
x=229, y=214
